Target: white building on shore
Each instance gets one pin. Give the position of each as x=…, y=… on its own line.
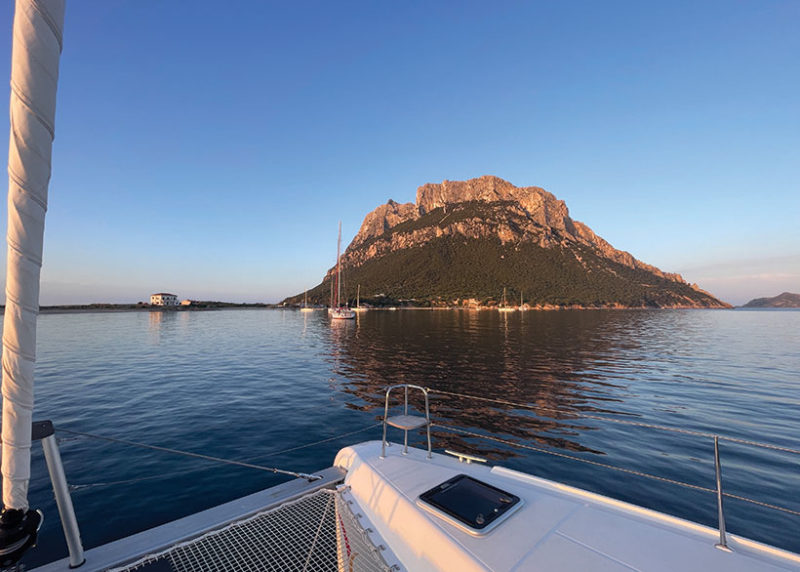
x=163, y=299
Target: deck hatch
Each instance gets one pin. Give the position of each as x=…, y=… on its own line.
x=478, y=505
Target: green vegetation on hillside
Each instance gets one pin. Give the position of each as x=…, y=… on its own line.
x=452, y=268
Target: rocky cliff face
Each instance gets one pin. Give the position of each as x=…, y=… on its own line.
x=382, y=219
x=526, y=214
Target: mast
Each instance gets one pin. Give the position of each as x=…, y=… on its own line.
x=358, y=297
x=35, y=57
x=339, y=268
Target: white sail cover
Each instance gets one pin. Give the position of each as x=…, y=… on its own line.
x=35, y=56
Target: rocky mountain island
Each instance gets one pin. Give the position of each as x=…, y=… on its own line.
x=784, y=300
x=463, y=242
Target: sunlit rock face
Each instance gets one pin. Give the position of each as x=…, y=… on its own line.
x=382, y=219
x=533, y=214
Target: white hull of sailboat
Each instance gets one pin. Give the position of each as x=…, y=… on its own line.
x=342, y=314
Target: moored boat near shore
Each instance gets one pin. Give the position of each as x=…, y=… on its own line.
x=337, y=311
x=504, y=307
x=305, y=307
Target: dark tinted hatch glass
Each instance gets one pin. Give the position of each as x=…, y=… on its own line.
x=470, y=501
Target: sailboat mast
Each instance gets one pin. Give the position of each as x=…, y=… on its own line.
x=339, y=268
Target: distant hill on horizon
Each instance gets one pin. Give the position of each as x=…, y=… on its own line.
x=463, y=242
x=784, y=300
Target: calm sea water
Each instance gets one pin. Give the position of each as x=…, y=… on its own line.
x=251, y=384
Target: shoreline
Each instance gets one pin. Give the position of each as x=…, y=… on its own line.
x=546, y=308
x=110, y=308
x=115, y=308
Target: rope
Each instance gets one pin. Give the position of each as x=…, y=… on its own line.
x=319, y=529
x=78, y=435
x=538, y=408
x=312, y=477
x=195, y=455
x=759, y=444
x=574, y=458
x=764, y=504
x=79, y=487
x=334, y=438
x=622, y=470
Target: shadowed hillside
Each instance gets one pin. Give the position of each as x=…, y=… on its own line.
x=784, y=300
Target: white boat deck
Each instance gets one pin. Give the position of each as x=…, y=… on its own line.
x=557, y=527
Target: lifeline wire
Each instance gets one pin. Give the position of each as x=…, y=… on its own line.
x=620, y=469
x=620, y=421
x=196, y=455
x=78, y=487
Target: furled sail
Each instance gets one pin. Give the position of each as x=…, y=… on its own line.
x=35, y=57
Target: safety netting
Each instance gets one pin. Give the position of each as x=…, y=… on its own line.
x=317, y=532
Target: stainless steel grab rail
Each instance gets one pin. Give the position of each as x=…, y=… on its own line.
x=45, y=432
x=723, y=541
x=406, y=422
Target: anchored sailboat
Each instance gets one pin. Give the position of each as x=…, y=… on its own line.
x=504, y=307
x=337, y=311
x=358, y=307
x=306, y=307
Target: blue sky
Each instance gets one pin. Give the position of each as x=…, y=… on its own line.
x=210, y=149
